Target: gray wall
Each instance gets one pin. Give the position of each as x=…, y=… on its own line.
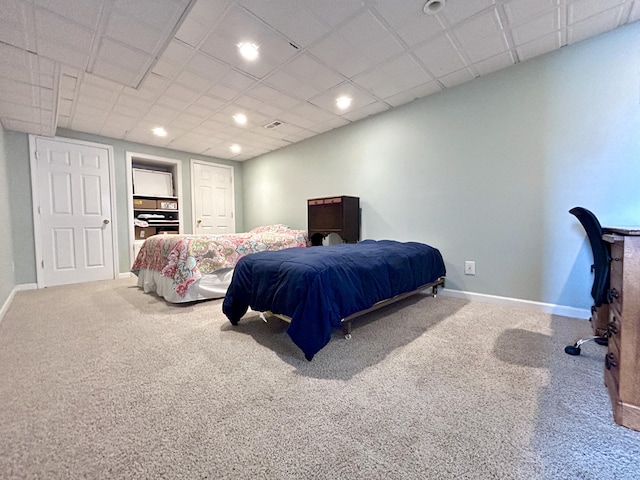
x=21, y=205
x=7, y=277
x=486, y=171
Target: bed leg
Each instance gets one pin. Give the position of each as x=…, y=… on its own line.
x=346, y=330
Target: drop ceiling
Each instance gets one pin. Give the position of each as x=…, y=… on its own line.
x=119, y=68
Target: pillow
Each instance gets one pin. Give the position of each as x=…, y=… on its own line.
x=269, y=228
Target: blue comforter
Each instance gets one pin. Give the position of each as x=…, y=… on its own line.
x=319, y=286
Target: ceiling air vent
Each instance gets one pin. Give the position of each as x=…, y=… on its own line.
x=272, y=125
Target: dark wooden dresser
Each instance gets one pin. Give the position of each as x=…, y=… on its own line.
x=339, y=215
x=622, y=362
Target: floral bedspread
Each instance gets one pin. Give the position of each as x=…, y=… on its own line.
x=185, y=258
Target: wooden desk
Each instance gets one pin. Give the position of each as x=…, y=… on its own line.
x=622, y=362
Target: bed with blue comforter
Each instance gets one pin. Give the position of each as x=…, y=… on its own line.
x=319, y=287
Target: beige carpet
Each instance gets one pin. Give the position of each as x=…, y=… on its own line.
x=103, y=381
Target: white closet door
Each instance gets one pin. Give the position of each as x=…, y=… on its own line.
x=212, y=198
x=74, y=212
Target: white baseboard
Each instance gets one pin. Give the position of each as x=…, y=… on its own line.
x=562, y=310
x=125, y=275
x=7, y=303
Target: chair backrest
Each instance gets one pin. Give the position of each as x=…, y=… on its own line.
x=601, y=257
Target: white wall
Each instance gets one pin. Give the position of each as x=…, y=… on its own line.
x=7, y=276
x=486, y=171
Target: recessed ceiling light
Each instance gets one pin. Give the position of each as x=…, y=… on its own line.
x=433, y=6
x=343, y=102
x=159, y=132
x=235, y=148
x=249, y=51
x=240, y=118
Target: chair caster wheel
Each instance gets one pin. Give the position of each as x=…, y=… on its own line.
x=572, y=350
x=601, y=341
x=347, y=336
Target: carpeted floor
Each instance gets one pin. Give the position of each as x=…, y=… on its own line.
x=103, y=381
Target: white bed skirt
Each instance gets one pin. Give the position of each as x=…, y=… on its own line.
x=212, y=285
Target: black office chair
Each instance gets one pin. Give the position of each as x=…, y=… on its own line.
x=600, y=269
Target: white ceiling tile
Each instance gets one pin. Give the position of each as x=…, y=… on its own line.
x=482, y=37
x=210, y=103
x=192, y=32
x=197, y=111
x=164, y=68
x=63, y=54
x=52, y=28
x=364, y=30
x=440, y=56
x=488, y=47
x=330, y=125
x=186, y=121
x=153, y=84
x=369, y=37
x=88, y=90
x=292, y=19
x=209, y=12
x=162, y=14
x=402, y=73
x=132, y=32
x=171, y=106
x=337, y=12
x=410, y=95
x=115, y=73
x=582, y=9
x=341, y=56
x=248, y=102
x=17, y=92
x=493, y=64
x=177, y=52
x=207, y=67
x=634, y=15
x=223, y=92
x=456, y=78
x=160, y=113
x=193, y=81
x=539, y=46
x=64, y=107
x=14, y=17
x=594, y=25
x=540, y=27
x=181, y=93
x=310, y=71
x=366, y=111
x=419, y=28
x=523, y=11
x=457, y=11
x=84, y=12
x=23, y=126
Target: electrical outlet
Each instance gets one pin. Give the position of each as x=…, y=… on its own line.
x=469, y=267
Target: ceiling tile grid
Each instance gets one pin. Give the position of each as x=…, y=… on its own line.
x=119, y=68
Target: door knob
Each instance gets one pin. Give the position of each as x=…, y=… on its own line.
x=199, y=221
x=105, y=221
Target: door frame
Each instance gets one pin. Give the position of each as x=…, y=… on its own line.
x=176, y=166
x=35, y=199
x=193, y=199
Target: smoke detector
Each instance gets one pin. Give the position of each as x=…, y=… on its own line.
x=433, y=6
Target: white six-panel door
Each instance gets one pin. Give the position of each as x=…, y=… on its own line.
x=213, y=203
x=73, y=210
